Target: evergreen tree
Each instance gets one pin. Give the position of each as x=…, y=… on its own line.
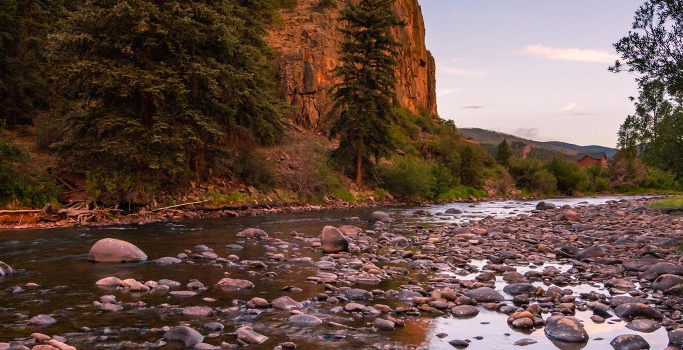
x=160, y=86
x=503, y=155
x=366, y=93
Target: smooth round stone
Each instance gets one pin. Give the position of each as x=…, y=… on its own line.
x=234, y=247
x=304, y=320
x=108, y=282
x=464, y=311
x=354, y=307
x=286, y=303
x=233, y=284
x=524, y=323
x=168, y=260
x=485, y=295
x=383, y=324
x=459, y=344
x=253, y=233
x=644, y=325
x=213, y=326
x=198, y=311
x=168, y=283
x=629, y=342
x=676, y=337
x=108, y=307
x=379, y=216
x=358, y=294
x=259, y=302
x=42, y=320
x=186, y=335
x=525, y=342
x=115, y=250
x=333, y=241
x=182, y=293
x=249, y=336
x=565, y=328
x=630, y=311
x=519, y=288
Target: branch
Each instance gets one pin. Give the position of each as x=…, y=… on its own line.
x=181, y=205
x=21, y=211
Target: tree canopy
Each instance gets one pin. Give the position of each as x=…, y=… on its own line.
x=161, y=86
x=366, y=93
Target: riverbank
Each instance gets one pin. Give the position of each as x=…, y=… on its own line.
x=407, y=284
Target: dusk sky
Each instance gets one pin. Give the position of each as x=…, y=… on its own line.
x=532, y=68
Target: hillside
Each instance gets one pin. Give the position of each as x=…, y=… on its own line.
x=551, y=148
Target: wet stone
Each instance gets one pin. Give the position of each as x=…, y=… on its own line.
x=115, y=250
x=230, y=284
x=644, y=325
x=182, y=293
x=519, y=288
x=304, y=320
x=249, y=336
x=676, y=337
x=186, y=335
x=459, y=344
x=198, y=311
x=565, y=328
x=42, y=320
x=383, y=324
x=484, y=295
x=464, y=311
x=630, y=311
x=286, y=303
x=525, y=342
x=629, y=342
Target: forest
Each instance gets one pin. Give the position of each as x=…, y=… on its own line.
x=148, y=103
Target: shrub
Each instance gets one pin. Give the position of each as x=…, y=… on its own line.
x=568, y=175
x=254, y=170
x=531, y=174
x=660, y=179
x=407, y=177
x=462, y=192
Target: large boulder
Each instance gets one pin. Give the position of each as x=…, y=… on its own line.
x=565, y=328
x=5, y=269
x=630, y=311
x=186, y=335
x=379, y=216
x=333, y=241
x=115, y=250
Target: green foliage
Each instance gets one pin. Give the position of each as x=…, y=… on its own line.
x=365, y=96
x=660, y=179
x=673, y=202
x=254, y=170
x=568, y=175
x=503, y=153
x=532, y=175
x=407, y=177
x=19, y=183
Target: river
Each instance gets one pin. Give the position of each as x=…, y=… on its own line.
x=55, y=260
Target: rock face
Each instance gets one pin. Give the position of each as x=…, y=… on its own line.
x=115, y=250
x=306, y=46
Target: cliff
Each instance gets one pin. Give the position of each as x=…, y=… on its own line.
x=306, y=47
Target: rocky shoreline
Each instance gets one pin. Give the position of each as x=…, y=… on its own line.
x=628, y=252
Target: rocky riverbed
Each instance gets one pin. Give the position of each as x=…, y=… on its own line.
x=582, y=277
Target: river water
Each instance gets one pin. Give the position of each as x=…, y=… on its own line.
x=56, y=260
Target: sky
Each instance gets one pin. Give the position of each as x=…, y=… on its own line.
x=532, y=68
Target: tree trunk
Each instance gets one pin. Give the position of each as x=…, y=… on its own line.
x=359, y=170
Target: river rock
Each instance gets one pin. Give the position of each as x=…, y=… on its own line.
x=110, y=307
x=565, y=328
x=379, y=216
x=333, y=241
x=304, y=320
x=108, y=282
x=5, y=269
x=198, y=311
x=653, y=271
x=676, y=337
x=247, y=335
x=625, y=299
x=186, y=335
x=629, y=342
x=42, y=320
x=383, y=324
x=644, y=325
x=545, y=206
x=591, y=253
x=253, y=233
x=115, y=250
x=453, y=211
x=630, y=311
x=668, y=282
x=234, y=284
x=213, y=326
x=464, y=311
x=357, y=294
x=459, y=343
x=485, y=295
x=525, y=342
x=349, y=230
x=286, y=303
x=134, y=285
x=168, y=260
x=520, y=288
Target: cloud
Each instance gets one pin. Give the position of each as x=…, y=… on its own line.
x=568, y=107
x=469, y=73
x=472, y=107
x=444, y=92
x=527, y=133
x=568, y=54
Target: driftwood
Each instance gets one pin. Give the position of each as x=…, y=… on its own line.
x=81, y=213
x=181, y=205
x=20, y=211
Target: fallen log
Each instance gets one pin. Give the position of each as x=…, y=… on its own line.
x=181, y=205
x=20, y=211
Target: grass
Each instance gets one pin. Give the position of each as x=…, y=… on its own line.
x=673, y=202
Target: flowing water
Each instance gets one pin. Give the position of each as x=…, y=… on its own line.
x=56, y=260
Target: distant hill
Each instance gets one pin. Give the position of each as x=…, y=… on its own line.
x=543, y=150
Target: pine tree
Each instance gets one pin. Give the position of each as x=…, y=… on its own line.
x=504, y=153
x=366, y=93
x=160, y=86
